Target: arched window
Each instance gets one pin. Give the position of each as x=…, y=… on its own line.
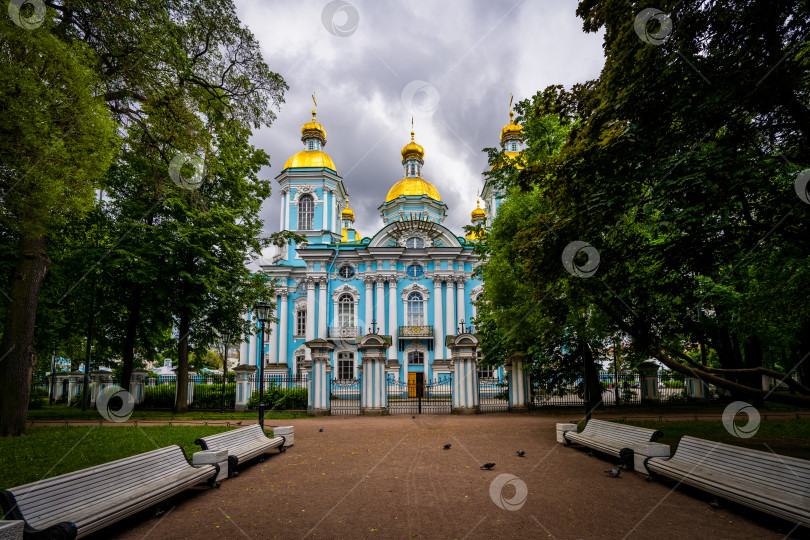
x=415, y=243
x=416, y=309
x=306, y=213
x=299, y=367
x=345, y=311
x=416, y=357
x=345, y=365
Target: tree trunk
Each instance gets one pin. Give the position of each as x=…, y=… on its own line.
x=130, y=332
x=17, y=346
x=181, y=404
x=593, y=388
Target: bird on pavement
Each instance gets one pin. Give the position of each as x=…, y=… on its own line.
x=487, y=466
x=521, y=453
x=447, y=446
x=239, y=423
x=320, y=429
x=614, y=473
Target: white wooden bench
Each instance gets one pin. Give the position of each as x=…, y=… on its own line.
x=612, y=438
x=76, y=504
x=778, y=485
x=242, y=444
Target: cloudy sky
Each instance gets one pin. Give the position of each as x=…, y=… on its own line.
x=374, y=63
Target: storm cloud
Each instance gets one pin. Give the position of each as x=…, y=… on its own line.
x=372, y=64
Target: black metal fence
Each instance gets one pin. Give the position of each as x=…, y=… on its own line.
x=344, y=396
x=420, y=397
x=280, y=392
x=617, y=389
x=493, y=394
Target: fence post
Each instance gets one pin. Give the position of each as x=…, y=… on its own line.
x=320, y=388
x=695, y=388
x=649, y=381
x=374, y=392
x=137, y=385
x=75, y=385
x=243, y=374
x=517, y=383
x=464, y=352
x=190, y=385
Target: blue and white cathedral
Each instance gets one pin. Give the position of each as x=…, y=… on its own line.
x=412, y=280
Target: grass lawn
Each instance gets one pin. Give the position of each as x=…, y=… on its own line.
x=787, y=436
x=50, y=451
x=63, y=412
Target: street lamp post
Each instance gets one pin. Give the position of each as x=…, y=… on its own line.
x=262, y=315
x=225, y=368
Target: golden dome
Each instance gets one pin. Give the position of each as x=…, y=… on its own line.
x=478, y=213
x=347, y=212
x=413, y=186
x=310, y=158
x=412, y=150
x=511, y=130
x=313, y=128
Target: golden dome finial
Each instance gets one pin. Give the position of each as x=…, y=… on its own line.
x=479, y=213
x=511, y=130
x=313, y=128
x=347, y=212
x=412, y=149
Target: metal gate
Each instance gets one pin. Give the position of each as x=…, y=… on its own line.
x=419, y=397
x=344, y=397
x=493, y=394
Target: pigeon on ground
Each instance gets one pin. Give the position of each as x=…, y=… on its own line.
x=447, y=446
x=521, y=453
x=487, y=466
x=239, y=423
x=320, y=429
x=614, y=473
x=413, y=417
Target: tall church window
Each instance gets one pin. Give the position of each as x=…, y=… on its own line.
x=310, y=145
x=299, y=367
x=345, y=311
x=415, y=243
x=306, y=213
x=415, y=309
x=416, y=357
x=301, y=322
x=345, y=366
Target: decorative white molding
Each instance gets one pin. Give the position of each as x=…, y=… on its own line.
x=415, y=287
x=346, y=289
x=350, y=264
x=477, y=290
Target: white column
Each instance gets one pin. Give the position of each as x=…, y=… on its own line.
x=460, y=301
x=335, y=218
x=310, y=334
x=380, y=303
x=282, y=332
x=274, y=339
x=393, y=328
x=243, y=347
x=281, y=214
x=369, y=299
x=325, y=208
x=322, y=308
x=438, y=331
x=451, y=308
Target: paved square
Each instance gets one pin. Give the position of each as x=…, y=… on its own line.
x=389, y=477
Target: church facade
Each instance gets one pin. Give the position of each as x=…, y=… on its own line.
x=412, y=280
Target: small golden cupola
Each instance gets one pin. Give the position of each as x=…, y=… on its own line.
x=478, y=215
x=314, y=138
x=347, y=222
x=512, y=134
x=413, y=158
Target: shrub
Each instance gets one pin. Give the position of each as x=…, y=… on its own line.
x=37, y=398
x=279, y=398
x=159, y=397
x=209, y=396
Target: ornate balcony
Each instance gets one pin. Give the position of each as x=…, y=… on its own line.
x=416, y=331
x=345, y=331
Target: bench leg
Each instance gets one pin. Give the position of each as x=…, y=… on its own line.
x=233, y=461
x=626, y=456
x=715, y=504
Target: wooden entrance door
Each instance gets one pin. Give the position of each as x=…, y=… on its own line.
x=412, y=384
